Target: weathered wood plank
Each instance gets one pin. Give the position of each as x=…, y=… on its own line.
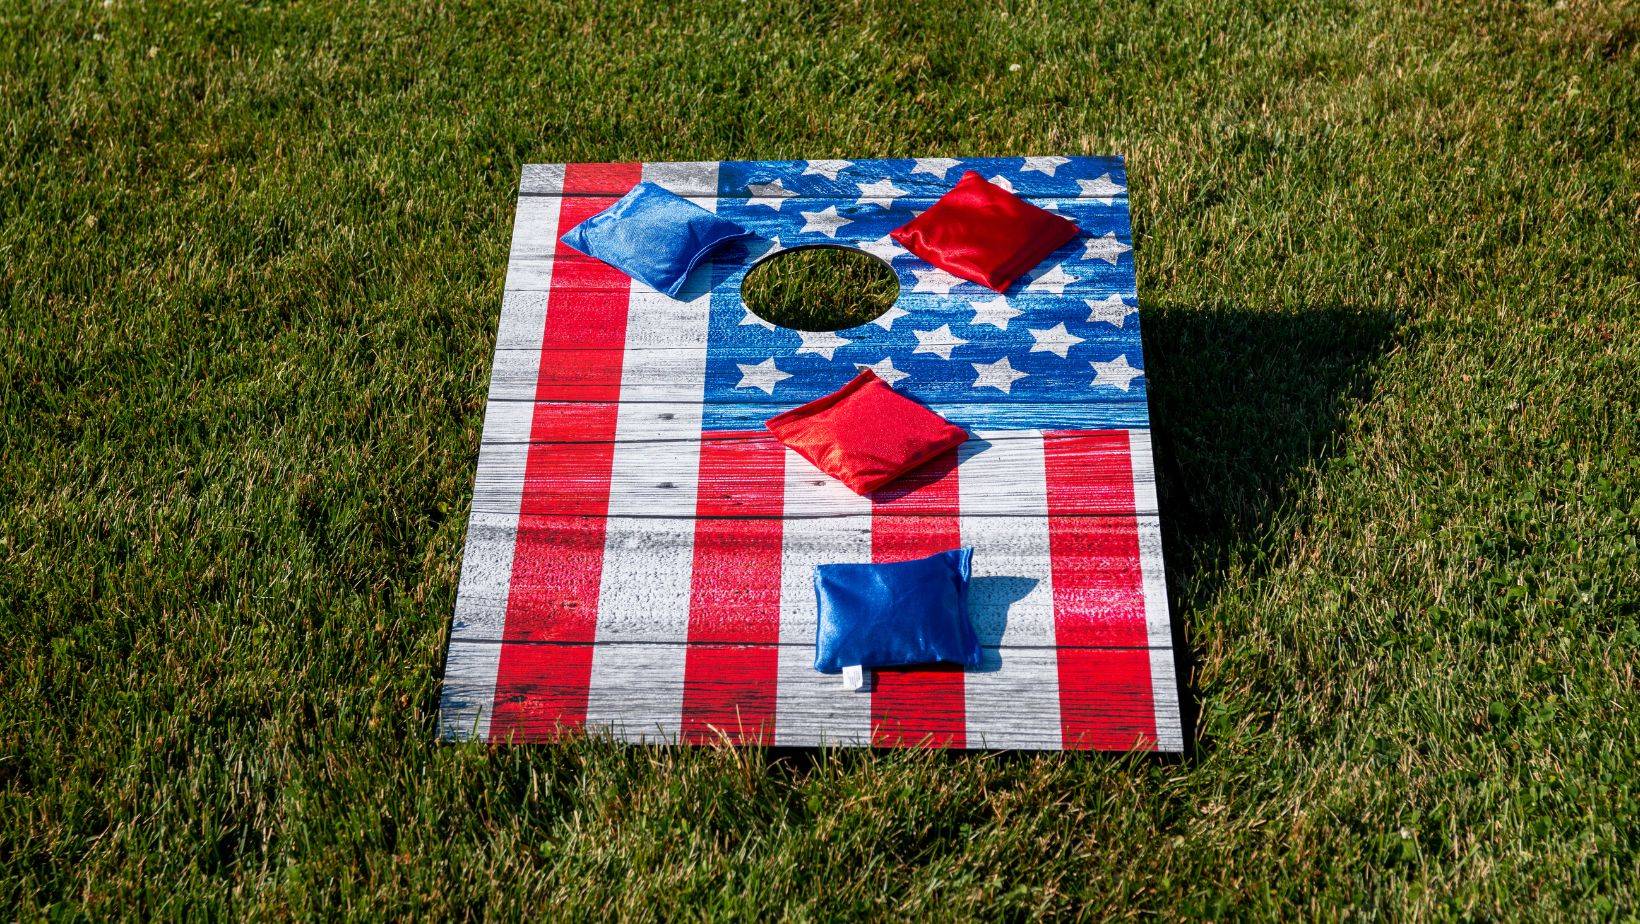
x=1129, y=414
x=1168, y=718
x=535, y=234
x=690, y=179
x=661, y=376
x=826, y=717
x=542, y=180
x=1101, y=340
x=1010, y=600
x=957, y=313
x=1012, y=699
x=651, y=421
x=1150, y=537
x=467, y=693
x=656, y=478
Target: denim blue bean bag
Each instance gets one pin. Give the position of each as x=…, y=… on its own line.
x=655, y=236
x=889, y=615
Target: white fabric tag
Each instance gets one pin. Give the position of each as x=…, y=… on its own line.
x=854, y=678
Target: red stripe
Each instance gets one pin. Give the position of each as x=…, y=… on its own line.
x=913, y=518
x=541, y=688
x=1104, y=699
x=1098, y=590
x=730, y=668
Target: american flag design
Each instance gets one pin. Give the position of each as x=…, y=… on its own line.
x=640, y=551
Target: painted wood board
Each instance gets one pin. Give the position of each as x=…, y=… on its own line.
x=640, y=551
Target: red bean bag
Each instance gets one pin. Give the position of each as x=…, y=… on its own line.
x=984, y=233
x=866, y=434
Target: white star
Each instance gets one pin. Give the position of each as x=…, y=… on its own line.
x=883, y=248
x=1002, y=182
x=939, y=341
x=820, y=342
x=827, y=168
x=1111, y=310
x=1054, y=280
x=885, y=370
x=1045, y=164
x=1056, y=340
x=882, y=192
x=934, y=280
x=751, y=319
x=1116, y=373
x=1106, y=248
x=995, y=312
x=938, y=166
x=1000, y=375
x=763, y=375
x=826, y=221
x=886, y=319
x=1102, y=189
x=771, y=194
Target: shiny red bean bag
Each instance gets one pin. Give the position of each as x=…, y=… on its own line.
x=866, y=434
x=984, y=233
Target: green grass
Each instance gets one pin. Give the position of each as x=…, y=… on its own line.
x=820, y=288
x=250, y=267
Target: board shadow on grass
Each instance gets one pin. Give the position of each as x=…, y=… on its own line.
x=1242, y=404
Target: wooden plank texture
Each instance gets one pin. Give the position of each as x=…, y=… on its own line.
x=664, y=485
x=819, y=713
x=640, y=552
x=1012, y=600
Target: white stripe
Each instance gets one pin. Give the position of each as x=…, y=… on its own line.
x=697, y=180
x=1012, y=699
x=812, y=708
x=526, y=305
x=492, y=535
x=1158, y=624
x=636, y=692
x=534, y=249
x=542, y=180
x=1164, y=693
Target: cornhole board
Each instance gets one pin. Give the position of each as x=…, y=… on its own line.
x=640, y=552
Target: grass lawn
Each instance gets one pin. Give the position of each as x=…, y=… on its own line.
x=251, y=260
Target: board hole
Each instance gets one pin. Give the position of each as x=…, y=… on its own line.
x=820, y=287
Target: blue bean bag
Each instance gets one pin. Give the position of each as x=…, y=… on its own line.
x=653, y=235
x=889, y=615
